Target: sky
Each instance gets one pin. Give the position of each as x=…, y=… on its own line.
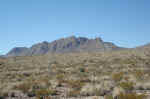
x=26, y=22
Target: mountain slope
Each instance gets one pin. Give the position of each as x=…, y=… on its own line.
x=65, y=45
x=19, y=51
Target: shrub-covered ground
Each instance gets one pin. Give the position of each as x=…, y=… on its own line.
x=118, y=74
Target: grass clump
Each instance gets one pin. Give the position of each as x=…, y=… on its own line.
x=45, y=92
x=75, y=86
x=74, y=93
x=117, y=76
x=131, y=96
x=109, y=97
x=127, y=86
x=60, y=77
x=24, y=87
x=139, y=74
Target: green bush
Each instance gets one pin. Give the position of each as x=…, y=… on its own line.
x=131, y=96
x=45, y=92
x=127, y=86
x=108, y=97
x=117, y=76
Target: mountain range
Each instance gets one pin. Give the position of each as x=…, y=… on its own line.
x=65, y=45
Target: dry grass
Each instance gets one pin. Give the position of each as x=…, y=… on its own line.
x=84, y=74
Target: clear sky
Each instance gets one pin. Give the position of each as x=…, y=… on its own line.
x=26, y=22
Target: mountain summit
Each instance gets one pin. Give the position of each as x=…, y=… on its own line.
x=65, y=45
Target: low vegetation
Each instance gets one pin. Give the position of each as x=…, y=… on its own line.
x=121, y=74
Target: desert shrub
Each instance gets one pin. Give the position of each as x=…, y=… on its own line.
x=85, y=79
x=139, y=74
x=127, y=86
x=30, y=87
x=5, y=94
x=130, y=61
x=41, y=83
x=131, y=96
x=93, y=90
x=75, y=84
x=46, y=97
x=74, y=93
x=24, y=87
x=45, y=92
x=1, y=96
x=31, y=93
x=82, y=70
x=60, y=78
x=127, y=96
x=117, y=76
x=109, y=97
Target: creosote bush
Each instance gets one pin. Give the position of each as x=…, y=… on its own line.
x=117, y=76
x=131, y=96
x=45, y=92
x=108, y=97
x=60, y=77
x=74, y=93
x=127, y=86
x=38, y=76
x=24, y=87
x=139, y=74
x=75, y=84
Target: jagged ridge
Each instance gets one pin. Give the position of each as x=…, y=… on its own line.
x=65, y=45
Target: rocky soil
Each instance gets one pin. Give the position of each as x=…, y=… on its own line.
x=75, y=75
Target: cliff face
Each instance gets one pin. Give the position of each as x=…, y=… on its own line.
x=65, y=45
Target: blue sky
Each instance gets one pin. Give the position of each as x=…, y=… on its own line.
x=26, y=22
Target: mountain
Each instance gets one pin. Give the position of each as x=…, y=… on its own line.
x=19, y=51
x=65, y=45
x=2, y=56
x=146, y=46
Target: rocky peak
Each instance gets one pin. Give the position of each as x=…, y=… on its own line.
x=65, y=45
